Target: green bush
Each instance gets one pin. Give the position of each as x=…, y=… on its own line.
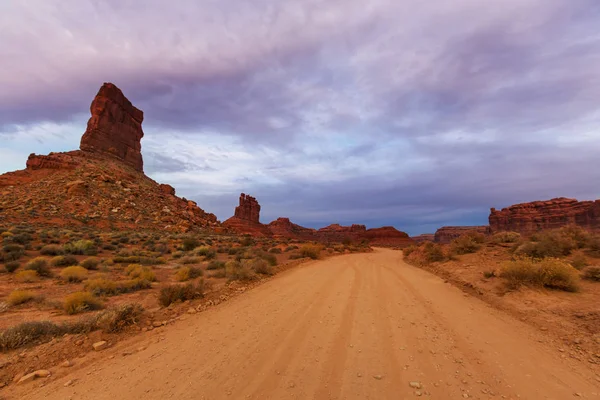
x=548, y=244
x=39, y=265
x=433, y=252
x=206, y=252
x=548, y=272
x=12, y=252
x=179, y=293
x=63, y=261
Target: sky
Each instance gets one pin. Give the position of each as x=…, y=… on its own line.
x=411, y=113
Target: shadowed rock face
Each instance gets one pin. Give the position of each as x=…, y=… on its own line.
x=528, y=218
x=115, y=127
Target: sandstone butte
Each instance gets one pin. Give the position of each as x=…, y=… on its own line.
x=246, y=220
x=103, y=183
x=528, y=218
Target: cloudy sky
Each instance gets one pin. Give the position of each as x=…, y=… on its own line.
x=409, y=113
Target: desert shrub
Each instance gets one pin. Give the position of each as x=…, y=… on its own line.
x=106, y=287
x=17, y=297
x=214, y=264
x=79, y=302
x=232, y=251
x=39, y=265
x=27, y=276
x=506, y=237
x=258, y=265
x=179, y=293
x=178, y=254
x=247, y=241
x=63, y=261
x=548, y=244
x=275, y=250
x=593, y=247
x=90, y=263
x=51, y=250
x=489, y=274
x=291, y=248
x=186, y=273
x=579, y=262
x=577, y=234
x=136, y=271
x=74, y=274
x=433, y=252
x=190, y=260
x=206, y=252
x=118, y=318
x=12, y=266
x=236, y=271
x=138, y=260
x=407, y=251
x=465, y=244
x=190, y=243
x=548, y=272
x=84, y=247
x=268, y=257
x=12, y=252
x=592, y=274
x=310, y=250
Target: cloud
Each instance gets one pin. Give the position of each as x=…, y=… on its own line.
x=408, y=112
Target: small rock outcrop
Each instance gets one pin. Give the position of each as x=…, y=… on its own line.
x=115, y=127
x=425, y=237
x=446, y=234
x=285, y=228
x=528, y=218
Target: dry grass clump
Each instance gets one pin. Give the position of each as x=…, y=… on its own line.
x=137, y=271
x=27, y=276
x=206, y=252
x=186, y=273
x=425, y=254
x=39, y=265
x=179, y=293
x=258, y=265
x=190, y=260
x=17, y=297
x=79, y=302
x=83, y=247
x=74, y=274
x=548, y=272
x=111, y=320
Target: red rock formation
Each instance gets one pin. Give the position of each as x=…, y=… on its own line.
x=426, y=237
x=249, y=209
x=528, y=218
x=448, y=233
x=167, y=189
x=53, y=161
x=388, y=236
x=115, y=127
x=285, y=228
x=338, y=233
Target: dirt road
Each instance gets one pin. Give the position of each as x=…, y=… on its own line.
x=360, y=326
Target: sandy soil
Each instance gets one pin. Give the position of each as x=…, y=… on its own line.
x=359, y=326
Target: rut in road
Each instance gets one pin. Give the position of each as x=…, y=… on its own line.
x=360, y=326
